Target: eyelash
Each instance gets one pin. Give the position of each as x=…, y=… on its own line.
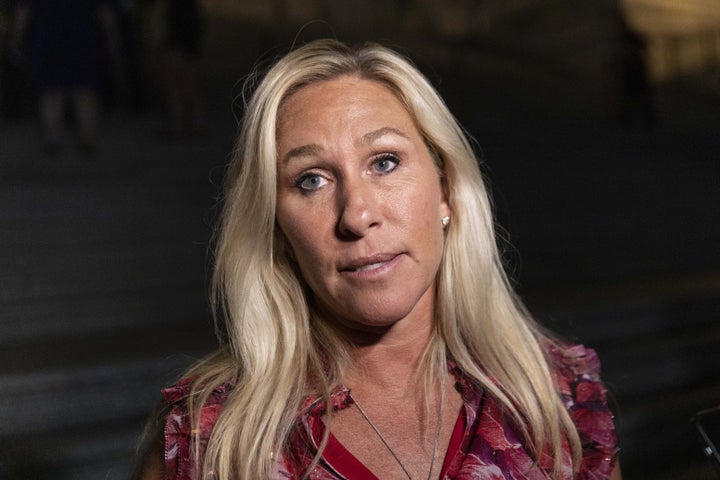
x=302, y=178
x=385, y=157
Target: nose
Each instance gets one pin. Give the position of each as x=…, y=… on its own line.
x=358, y=206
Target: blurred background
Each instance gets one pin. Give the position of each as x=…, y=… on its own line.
x=598, y=124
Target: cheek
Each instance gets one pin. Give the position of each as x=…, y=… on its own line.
x=423, y=207
x=303, y=236
x=425, y=210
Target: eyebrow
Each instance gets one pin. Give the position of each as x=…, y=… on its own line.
x=303, y=151
x=314, y=149
x=380, y=132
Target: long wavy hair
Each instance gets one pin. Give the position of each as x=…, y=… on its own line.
x=277, y=350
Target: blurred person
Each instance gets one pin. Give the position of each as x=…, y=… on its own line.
x=184, y=29
x=636, y=95
x=68, y=48
x=367, y=327
x=133, y=90
x=16, y=94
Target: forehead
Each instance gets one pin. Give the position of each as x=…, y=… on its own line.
x=349, y=96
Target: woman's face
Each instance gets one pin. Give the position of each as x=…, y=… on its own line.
x=360, y=202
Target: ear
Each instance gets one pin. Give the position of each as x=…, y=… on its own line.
x=445, y=210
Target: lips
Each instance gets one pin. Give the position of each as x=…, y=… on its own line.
x=365, y=264
x=370, y=267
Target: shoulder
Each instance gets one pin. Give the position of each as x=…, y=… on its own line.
x=189, y=423
x=576, y=372
x=185, y=388
x=571, y=362
x=183, y=399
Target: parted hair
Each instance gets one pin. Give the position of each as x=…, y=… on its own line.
x=277, y=349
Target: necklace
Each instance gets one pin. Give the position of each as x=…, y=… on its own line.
x=387, y=445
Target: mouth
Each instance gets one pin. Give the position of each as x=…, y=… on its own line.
x=367, y=264
x=370, y=267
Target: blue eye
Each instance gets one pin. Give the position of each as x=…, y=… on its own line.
x=386, y=163
x=310, y=182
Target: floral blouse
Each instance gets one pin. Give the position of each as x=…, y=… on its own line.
x=484, y=444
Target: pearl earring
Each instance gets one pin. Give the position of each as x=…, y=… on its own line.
x=445, y=221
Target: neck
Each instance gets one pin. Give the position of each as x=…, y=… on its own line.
x=389, y=355
x=391, y=363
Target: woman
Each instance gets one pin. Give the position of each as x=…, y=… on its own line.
x=369, y=329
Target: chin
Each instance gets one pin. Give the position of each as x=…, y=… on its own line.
x=381, y=317
x=378, y=309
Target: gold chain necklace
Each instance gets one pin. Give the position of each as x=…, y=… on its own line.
x=390, y=449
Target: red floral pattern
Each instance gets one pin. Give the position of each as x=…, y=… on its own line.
x=179, y=456
x=486, y=445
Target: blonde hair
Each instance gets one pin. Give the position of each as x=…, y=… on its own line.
x=277, y=350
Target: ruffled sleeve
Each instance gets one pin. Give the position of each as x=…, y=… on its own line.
x=577, y=376
x=180, y=439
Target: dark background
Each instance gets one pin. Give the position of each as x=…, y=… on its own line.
x=612, y=217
